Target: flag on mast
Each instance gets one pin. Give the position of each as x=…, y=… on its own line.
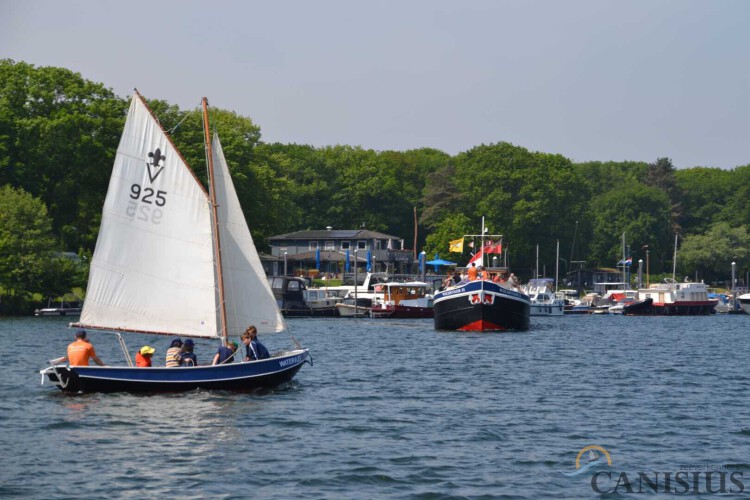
x=477, y=259
x=493, y=247
x=456, y=245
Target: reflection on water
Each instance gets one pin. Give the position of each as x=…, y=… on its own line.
x=390, y=409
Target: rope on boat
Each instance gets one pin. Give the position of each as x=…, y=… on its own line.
x=230, y=357
x=124, y=349
x=63, y=384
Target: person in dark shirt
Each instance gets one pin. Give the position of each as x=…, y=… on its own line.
x=187, y=356
x=254, y=350
x=225, y=354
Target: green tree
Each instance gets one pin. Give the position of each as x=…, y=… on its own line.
x=643, y=214
x=711, y=254
x=661, y=175
x=737, y=209
x=441, y=197
x=27, y=246
x=705, y=193
x=451, y=227
x=530, y=198
x=602, y=177
x=59, y=133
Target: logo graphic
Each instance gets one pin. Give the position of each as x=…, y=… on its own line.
x=156, y=157
x=596, y=457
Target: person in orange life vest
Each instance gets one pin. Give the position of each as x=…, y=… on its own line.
x=472, y=272
x=81, y=350
x=143, y=357
x=481, y=273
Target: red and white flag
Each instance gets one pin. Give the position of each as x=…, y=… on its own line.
x=477, y=259
x=493, y=247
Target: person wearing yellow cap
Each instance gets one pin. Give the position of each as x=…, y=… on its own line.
x=143, y=357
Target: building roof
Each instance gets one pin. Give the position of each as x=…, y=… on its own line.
x=339, y=234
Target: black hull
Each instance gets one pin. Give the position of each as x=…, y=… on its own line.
x=679, y=309
x=639, y=307
x=292, y=312
x=399, y=312
x=504, y=310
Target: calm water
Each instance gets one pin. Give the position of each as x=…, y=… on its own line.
x=391, y=409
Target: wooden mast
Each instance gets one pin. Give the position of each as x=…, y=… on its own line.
x=214, y=211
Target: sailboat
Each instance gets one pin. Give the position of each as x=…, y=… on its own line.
x=174, y=259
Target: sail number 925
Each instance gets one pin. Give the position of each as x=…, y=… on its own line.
x=148, y=195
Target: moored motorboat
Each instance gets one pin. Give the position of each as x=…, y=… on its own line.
x=294, y=298
x=64, y=309
x=672, y=298
x=351, y=308
x=638, y=307
x=402, y=300
x=744, y=301
x=544, y=300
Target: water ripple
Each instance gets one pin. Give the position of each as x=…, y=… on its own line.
x=391, y=410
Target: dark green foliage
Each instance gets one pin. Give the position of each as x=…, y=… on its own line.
x=59, y=134
x=712, y=253
x=30, y=261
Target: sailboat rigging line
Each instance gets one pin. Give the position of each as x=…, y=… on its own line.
x=171, y=130
x=124, y=349
x=217, y=240
x=171, y=142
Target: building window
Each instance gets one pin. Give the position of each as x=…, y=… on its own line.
x=377, y=245
x=329, y=245
x=313, y=245
x=361, y=244
x=345, y=245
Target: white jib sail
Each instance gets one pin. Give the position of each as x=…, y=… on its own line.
x=152, y=269
x=247, y=294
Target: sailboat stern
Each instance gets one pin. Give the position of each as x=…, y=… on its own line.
x=61, y=376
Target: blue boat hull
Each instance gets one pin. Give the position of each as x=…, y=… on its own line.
x=246, y=376
x=481, y=306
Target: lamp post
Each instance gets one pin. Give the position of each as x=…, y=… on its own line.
x=640, y=273
x=284, y=263
x=423, y=260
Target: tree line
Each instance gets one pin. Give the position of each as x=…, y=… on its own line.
x=59, y=133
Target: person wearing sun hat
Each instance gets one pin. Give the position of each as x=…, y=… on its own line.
x=143, y=357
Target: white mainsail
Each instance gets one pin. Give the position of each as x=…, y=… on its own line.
x=152, y=269
x=247, y=294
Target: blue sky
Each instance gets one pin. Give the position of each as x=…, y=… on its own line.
x=588, y=79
